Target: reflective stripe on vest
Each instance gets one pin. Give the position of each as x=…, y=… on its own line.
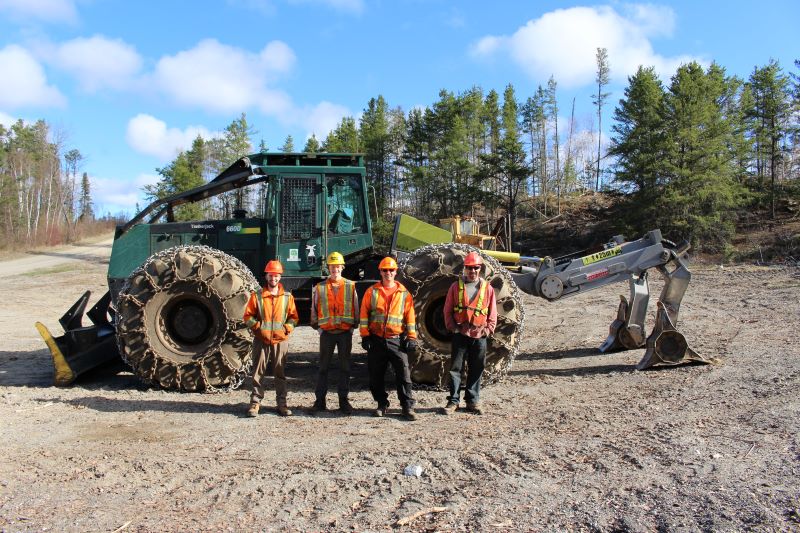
x=274, y=325
x=392, y=321
x=331, y=313
x=475, y=315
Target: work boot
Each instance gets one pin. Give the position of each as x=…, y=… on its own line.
x=319, y=407
x=409, y=414
x=345, y=407
x=284, y=411
x=380, y=411
x=253, y=409
x=450, y=408
x=475, y=408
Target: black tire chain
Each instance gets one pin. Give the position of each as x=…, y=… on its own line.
x=508, y=305
x=229, y=263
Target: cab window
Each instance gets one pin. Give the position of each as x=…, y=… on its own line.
x=345, y=205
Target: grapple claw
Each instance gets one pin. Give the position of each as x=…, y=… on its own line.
x=612, y=342
x=667, y=346
x=81, y=348
x=627, y=331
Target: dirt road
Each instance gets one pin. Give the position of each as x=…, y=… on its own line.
x=35, y=262
x=572, y=440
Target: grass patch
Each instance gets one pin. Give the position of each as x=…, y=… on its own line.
x=66, y=267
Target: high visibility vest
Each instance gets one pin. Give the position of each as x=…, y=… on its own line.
x=274, y=312
x=335, y=308
x=385, y=319
x=476, y=311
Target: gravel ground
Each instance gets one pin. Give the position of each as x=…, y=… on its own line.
x=572, y=439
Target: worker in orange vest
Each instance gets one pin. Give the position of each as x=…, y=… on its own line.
x=334, y=313
x=272, y=316
x=387, y=312
x=470, y=314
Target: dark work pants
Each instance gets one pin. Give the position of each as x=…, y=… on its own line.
x=343, y=343
x=475, y=352
x=382, y=353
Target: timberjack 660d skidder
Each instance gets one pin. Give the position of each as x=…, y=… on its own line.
x=177, y=290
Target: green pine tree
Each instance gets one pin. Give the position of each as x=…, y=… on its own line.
x=702, y=192
x=86, y=213
x=288, y=145
x=312, y=145
x=771, y=116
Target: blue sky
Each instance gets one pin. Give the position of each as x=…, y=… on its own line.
x=131, y=83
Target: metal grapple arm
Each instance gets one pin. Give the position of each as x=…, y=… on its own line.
x=619, y=261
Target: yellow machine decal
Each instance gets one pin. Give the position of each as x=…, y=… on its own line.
x=599, y=256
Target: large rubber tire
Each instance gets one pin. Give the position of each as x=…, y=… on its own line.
x=427, y=274
x=180, y=319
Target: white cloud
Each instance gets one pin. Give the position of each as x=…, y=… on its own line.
x=24, y=81
x=149, y=135
x=224, y=78
x=6, y=120
x=47, y=10
x=323, y=118
x=114, y=195
x=277, y=57
x=563, y=43
x=652, y=19
x=98, y=62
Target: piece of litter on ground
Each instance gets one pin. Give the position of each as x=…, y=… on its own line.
x=413, y=470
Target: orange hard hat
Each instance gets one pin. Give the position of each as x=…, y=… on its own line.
x=388, y=263
x=473, y=259
x=273, y=267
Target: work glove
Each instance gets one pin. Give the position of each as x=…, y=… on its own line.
x=365, y=343
x=411, y=346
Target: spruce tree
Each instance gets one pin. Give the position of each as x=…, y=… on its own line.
x=639, y=142
x=771, y=114
x=702, y=193
x=85, y=203
x=312, y=145
x=288, y=145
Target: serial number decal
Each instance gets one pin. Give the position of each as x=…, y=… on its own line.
x=599, y=256
x=237, y=228
x=597, y=274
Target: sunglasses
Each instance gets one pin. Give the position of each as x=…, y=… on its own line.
x=473, y=268
x=385, y=270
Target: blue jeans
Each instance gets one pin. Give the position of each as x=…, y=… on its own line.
x=475, y=352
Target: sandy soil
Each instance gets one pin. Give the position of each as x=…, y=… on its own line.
x=572, y=439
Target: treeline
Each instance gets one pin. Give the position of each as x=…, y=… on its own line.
x=43, y=200
x=692, y=156
x=698, y=154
